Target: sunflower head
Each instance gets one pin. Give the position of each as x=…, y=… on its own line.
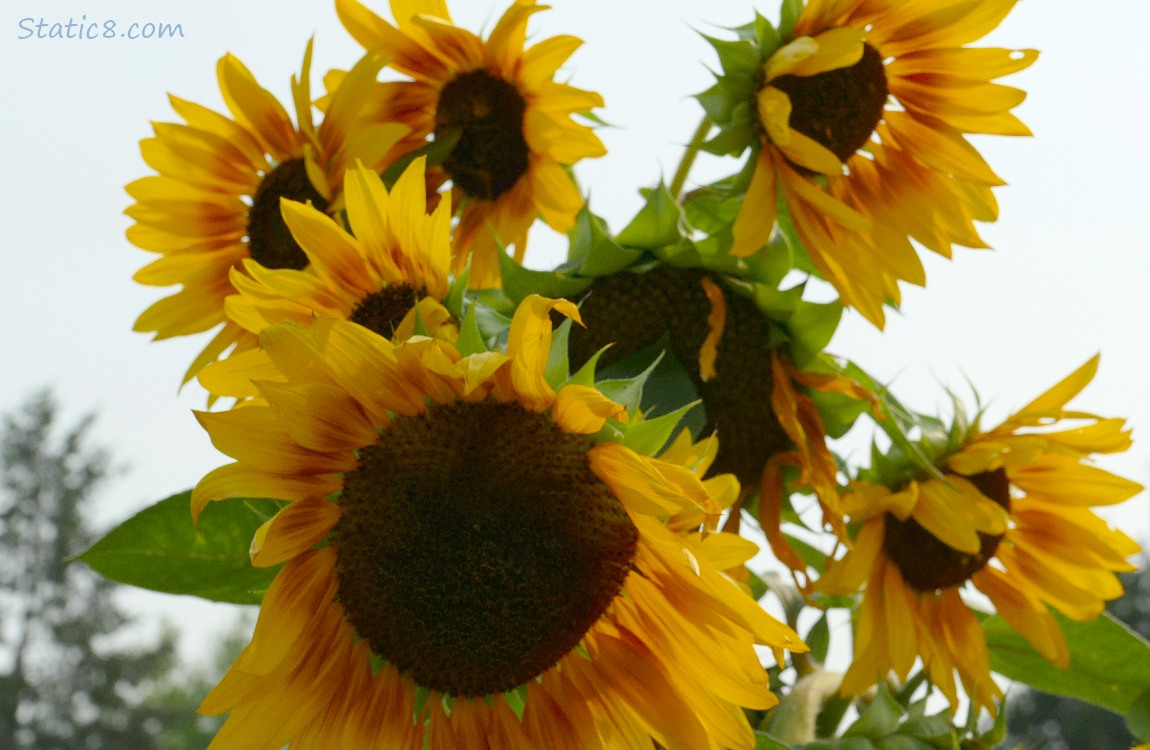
x=1007, y=510
x=499, y=126
x=856, y=115
x=214, y=205
x=474, y=532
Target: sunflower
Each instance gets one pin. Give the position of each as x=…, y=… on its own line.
x=215, y=202
x=1009, y=512
x=496, y=103
x=755, y=398
x=388, y=278
x=470, y=563
x=859, y=122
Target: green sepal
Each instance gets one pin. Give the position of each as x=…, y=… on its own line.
x=906, y=459
x=592, y=250
x=935, y=730
x=656, y=224
x=689, y=254
x=811, y=327
x=648, y=437
x=719, y=101
x=757, y=585
x=771, y=265
x=736, y=133
x=585, y=375
x=456, y=293
x=838, y=411
x=1109, y=665
x=818, y=639
x=470, y=340
x=558, y=364
x=492, y=315
x=712, y=208
x=767, y=36
x=435, y=151
x=991, y=737
x=788, y=15
x=740, y=58
x=628, y=392
x=159, y=549
x=419, y=328
x=519, y=282
x=880, y=719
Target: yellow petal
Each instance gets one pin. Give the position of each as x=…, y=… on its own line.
x=583, y=410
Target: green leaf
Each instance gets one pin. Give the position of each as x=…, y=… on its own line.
x=843, y=743
x=160, y=549
x=1138, y=717
x=764, y=741
x=519, y=282
x=1109, y=663
x=656, y=224
x=902, y=742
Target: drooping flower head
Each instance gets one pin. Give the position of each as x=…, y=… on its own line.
x=473, y=560
x=495, y=104
x=1008, y=511
x=215, y=202
x=858, y=123
x=736, y=357
x=391, y=276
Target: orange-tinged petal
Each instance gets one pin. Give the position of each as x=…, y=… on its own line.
x=756, y=217
x=319, y=416
x=716, y=321
x=292, y=531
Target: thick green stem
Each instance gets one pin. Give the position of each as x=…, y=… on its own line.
x=689, y=155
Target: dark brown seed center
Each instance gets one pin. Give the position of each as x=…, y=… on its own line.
x=926, y=563
x=636, y=311
x=384, y=310
x=270, y=242
x=492, y=153
x=476, y=547
x=839, y=108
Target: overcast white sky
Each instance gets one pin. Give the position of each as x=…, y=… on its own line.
x=1070, y=275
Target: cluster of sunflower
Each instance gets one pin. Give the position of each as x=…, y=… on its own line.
x=514, y=508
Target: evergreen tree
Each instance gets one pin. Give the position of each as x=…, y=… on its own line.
x=66, y=682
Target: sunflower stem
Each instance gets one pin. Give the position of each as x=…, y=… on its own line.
x=689, y=155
